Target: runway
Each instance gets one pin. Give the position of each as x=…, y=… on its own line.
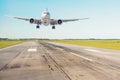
x=57, y=61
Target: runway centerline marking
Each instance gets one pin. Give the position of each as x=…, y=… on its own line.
x=82, y=57
x=92, y=50
x=32, y=50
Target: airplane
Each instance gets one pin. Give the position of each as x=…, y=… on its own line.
x=46, y=20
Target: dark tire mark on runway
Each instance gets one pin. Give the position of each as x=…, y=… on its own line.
x=49, y=57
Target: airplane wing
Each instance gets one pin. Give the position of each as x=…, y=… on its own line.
x=17, y=17
x=60, y=21
x=26, y=19
x=68, y=20
x=31, y=20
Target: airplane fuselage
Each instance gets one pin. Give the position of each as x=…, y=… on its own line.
x=45, y=18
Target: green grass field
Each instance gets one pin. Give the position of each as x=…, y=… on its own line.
x=6, y=43
x=109, y=44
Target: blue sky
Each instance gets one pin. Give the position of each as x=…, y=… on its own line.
x=104, y=19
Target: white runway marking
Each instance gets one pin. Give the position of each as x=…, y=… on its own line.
x=92, y=50
x=32, y=50
x=82, y=57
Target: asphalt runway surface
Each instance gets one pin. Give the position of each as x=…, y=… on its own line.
x=57, y=61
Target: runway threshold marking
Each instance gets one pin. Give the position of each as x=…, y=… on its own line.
x=32, y=50
x=82, y=57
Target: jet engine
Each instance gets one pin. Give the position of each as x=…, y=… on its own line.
x=31, y=20
x=59, y=21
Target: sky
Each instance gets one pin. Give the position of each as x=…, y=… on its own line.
x=103, y=22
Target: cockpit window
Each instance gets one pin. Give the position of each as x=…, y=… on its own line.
x=46, y=13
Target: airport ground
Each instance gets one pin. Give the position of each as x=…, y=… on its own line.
x=36, y=60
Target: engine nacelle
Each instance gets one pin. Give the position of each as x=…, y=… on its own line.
x=31, y=20
x=59, y=21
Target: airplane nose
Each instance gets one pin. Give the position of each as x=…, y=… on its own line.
x=45, y=15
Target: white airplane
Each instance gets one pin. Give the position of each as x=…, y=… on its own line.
x=46, y=20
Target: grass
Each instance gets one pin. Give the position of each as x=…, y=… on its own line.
x=6, y=43
x=109, y=44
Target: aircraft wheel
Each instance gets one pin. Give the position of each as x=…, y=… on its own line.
x=53, y=27
x=37, y=27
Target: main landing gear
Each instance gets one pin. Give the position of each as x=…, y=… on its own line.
x=53, y=27
x=37, y=27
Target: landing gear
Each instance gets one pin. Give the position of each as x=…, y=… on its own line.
x=53, y=27
x=37, y=27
